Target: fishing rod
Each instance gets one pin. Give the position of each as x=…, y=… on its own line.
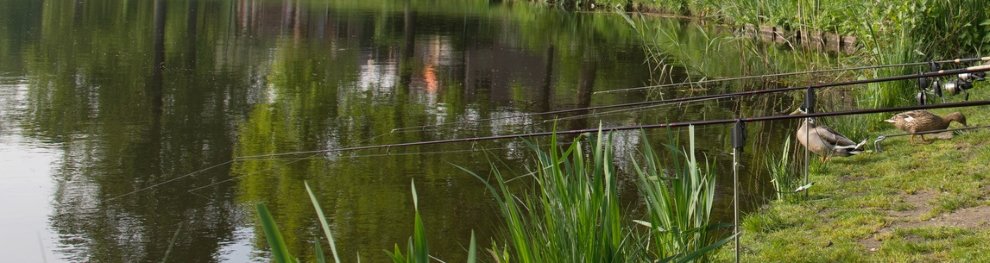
x=571, y=132
x=957, y=61
x=636, y=127
x=586, y=115
x=939, y=73
x=973, y=69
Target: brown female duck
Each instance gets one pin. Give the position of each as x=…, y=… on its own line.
x=921, y=121
x=824, y=141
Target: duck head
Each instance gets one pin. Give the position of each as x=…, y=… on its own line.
x=892, y=119
x=956, y=117
x=801, y=111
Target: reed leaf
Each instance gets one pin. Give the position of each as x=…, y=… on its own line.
x=678, y=203
x=472, y=250
x=280, y=251
x=323, y=224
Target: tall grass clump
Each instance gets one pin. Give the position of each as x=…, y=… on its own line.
x=574, y=215
x=679, y=202
x=886, y=50
x=782, y=178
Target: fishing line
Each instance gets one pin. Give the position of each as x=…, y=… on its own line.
x=577, y=116
x=173, y=179
x=637, y=127
x=193, y=190
x=650, y=126
x=395, y=154
x=958, y=60
x=929, y=74
x=577, y=131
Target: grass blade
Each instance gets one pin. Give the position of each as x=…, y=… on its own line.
x=318, y=250
x=421, y=251
x=323, y=223
x=280, y=252
x=472, y=250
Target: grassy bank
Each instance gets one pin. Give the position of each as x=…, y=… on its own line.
x=909, y=203
x=961, y=22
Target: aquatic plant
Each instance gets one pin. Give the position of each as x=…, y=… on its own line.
x=679, y=202
x=574, y=215
x=417, y=246
x=783, y=179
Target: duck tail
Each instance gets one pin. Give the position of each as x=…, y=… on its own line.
x=858, y=148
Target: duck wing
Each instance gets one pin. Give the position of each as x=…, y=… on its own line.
x=916, y=114
x=918, y=120
x=833, y=137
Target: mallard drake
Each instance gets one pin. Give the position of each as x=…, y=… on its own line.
x=824, y=141
x=917, y=121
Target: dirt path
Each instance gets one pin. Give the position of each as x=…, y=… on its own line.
x=977, y=217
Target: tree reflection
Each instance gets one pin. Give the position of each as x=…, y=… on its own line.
x=139, y=93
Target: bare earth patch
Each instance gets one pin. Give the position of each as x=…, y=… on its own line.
x=972, y=217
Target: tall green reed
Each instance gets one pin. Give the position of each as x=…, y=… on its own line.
x=783, y=178
x=574, y=215
x=679, y=201
x=417, y=247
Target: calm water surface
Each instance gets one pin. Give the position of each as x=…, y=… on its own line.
x=110, y=111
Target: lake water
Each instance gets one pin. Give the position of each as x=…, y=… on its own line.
x=119, y=118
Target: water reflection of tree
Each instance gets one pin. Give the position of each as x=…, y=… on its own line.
x=226, y=79
x=130, y=113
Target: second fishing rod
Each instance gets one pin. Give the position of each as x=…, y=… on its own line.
x=700, y=82
x=930, y=74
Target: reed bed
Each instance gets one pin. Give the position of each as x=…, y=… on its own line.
x=574, y=214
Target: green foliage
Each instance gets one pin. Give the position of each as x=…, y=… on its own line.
x=933, y=24
x=783, y=177
x=417, y=247
x=324, y=225
x=679, y=201
x=280, y=251
x=574, y=214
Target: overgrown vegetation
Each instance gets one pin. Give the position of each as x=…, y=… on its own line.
x=783, y=177
x=574, y=214
x=934, y=24
x=679, y=202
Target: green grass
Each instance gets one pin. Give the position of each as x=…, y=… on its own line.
x=896, y=202
x=934, y=24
